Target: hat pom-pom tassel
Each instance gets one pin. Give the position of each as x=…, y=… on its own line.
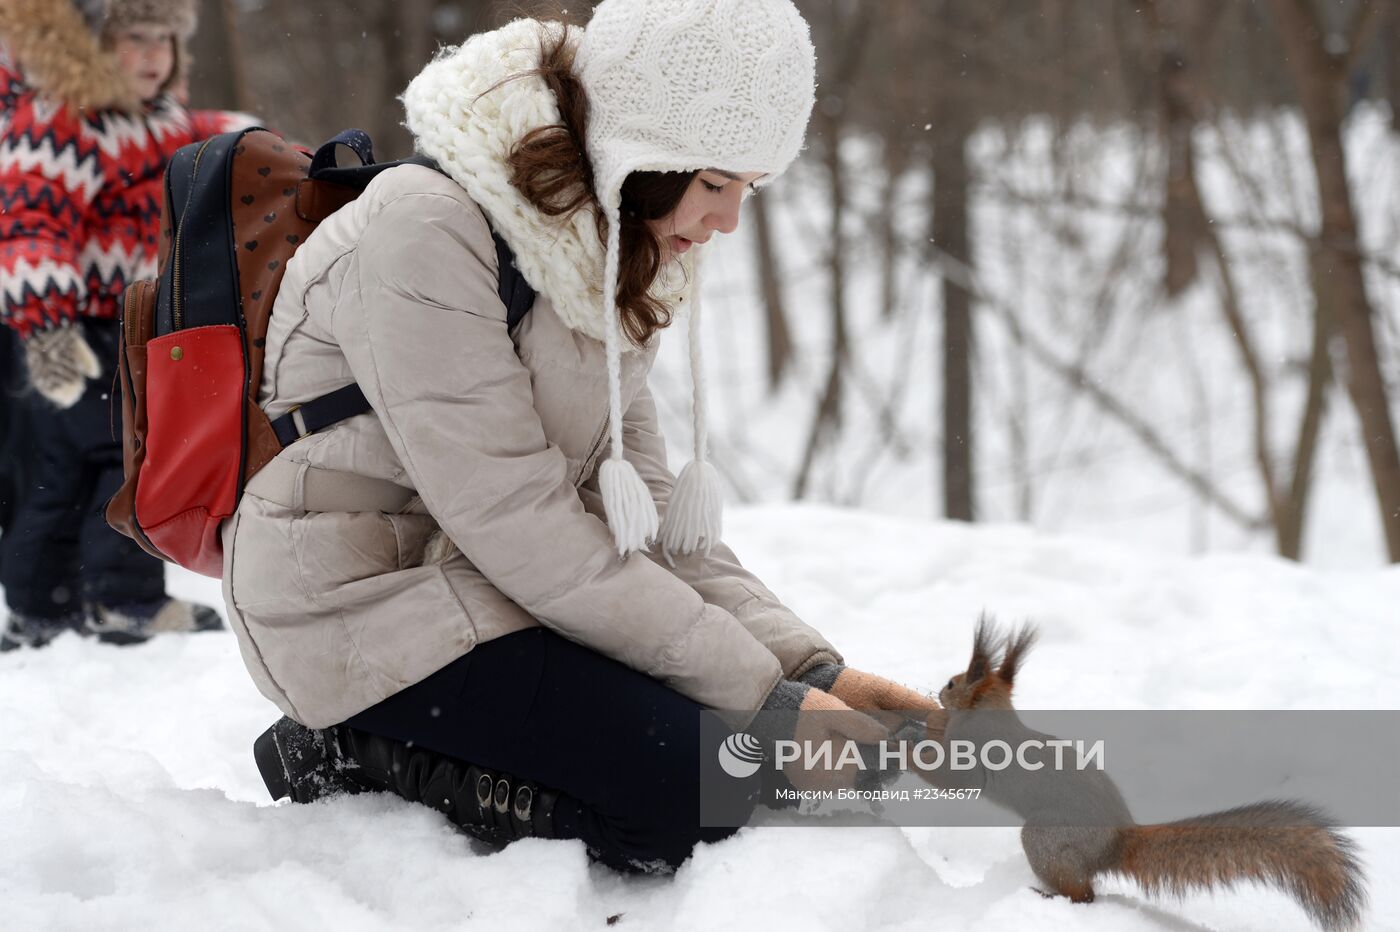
x=696, y=512
x=631, y=511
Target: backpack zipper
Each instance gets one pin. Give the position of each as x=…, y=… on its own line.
x=177, y=299
x=127, y=325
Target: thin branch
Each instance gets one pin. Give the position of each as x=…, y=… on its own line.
x=1076, y=377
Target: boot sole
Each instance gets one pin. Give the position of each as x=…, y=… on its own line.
x=122, y=639
x=268, y=757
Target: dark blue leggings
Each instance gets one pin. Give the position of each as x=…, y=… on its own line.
x=622, y=749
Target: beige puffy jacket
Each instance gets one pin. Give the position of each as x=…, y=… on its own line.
x=495, y=437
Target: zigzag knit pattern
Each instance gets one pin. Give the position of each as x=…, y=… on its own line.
x=80, y=197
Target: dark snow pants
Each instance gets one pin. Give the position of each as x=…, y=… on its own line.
x=620, y=747
x=58, y=551
x=13, y=445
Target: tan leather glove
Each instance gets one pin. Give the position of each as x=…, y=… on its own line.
x=60, y=363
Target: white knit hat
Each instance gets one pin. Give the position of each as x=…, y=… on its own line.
x=684, y=85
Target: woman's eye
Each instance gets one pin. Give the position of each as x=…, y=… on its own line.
x=712, y=188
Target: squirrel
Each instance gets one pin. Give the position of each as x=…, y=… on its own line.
x=1078, y=826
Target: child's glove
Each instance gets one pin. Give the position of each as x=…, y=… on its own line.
x=868, y=692
x=60, y=363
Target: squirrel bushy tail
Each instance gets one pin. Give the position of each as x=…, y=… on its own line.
x=1279, y=843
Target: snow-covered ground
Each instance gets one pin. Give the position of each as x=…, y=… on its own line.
x=129, y=799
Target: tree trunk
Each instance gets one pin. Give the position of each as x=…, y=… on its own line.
x=950, y=236
x=1293, y=506
x=1320, y=77
x=219, y=78
x=827, y=421
x=895, y=155
x=405, y=32
x=770, y=286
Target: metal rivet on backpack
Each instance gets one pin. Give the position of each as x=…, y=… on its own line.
x=176, y=353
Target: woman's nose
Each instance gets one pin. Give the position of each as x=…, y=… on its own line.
x=726, y=219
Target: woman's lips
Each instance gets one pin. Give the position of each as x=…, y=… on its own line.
x=680, y=244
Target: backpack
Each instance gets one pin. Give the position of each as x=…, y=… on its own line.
x=236, y=208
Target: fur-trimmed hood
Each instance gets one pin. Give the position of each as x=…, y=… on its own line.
x=63, y=60
x=466, y=115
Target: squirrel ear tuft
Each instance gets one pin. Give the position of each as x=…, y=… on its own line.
x=982, y=649
x=1018, y=644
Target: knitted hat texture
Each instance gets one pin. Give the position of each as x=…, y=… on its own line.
x=685, y=85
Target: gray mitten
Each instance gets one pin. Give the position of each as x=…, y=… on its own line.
x=60, y=363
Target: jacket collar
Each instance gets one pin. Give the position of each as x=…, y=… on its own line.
x=60, y=58
x=466, y=116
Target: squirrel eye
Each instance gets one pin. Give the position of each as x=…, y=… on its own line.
x=950, y=685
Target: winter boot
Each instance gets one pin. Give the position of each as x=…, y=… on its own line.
x=491, y=805
x=137, y=622
x=35, y=631
x=308, y=764
x=303, y=764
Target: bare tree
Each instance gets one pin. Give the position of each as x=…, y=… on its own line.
x=770, y=289
x=950, y=236
x=854, y=25
x=1321, y=76
x=219, y=78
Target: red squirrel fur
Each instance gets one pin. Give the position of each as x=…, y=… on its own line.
x=1282, y=843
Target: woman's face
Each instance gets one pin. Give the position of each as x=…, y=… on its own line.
x=146, y=54
x=710, y=205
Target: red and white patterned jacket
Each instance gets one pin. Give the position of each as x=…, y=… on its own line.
x=80, y=197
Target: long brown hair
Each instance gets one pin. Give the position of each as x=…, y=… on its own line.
x=551, y=169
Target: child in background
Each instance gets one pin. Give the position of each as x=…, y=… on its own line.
x=87, y=125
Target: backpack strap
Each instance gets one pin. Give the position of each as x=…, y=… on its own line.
x=347, y=402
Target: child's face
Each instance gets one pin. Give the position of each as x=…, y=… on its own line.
x=711, y=205
x=146, y=54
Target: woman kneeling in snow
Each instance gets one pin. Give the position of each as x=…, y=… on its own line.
x=443, y=595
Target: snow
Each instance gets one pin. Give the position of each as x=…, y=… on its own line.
x=130, y=799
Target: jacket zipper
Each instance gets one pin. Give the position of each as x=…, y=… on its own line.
x=594, y=451
x=177, y=299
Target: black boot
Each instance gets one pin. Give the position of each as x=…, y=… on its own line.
x=309, y=764
x=493, y=806
x=303, y=764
